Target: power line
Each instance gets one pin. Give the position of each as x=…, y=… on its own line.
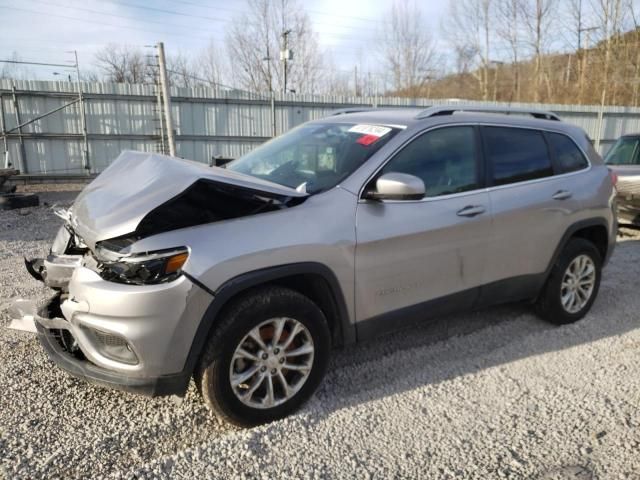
x=172, y=25
x=105, y=24
x=215, y=19
x=309, y=12
x=161, y=10
x=200, y=79
x=38, y=63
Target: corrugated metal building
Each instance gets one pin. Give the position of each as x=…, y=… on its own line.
x=208, y=122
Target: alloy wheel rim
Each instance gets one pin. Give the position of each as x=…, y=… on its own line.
x=271, y=363
x=578, y=283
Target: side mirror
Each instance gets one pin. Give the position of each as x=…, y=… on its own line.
x=397, y=186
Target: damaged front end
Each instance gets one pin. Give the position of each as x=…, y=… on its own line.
x=126, y=317
x=114, y=315
x=60, y=344
x=64, y=257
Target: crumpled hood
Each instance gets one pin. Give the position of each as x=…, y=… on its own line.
x=136, y=182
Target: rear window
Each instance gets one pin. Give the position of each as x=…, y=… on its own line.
x=567, y=154
x=516, y=154
x=624, y=152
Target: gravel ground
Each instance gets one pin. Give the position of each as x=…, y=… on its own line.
x=492, y=394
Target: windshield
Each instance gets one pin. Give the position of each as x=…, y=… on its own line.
x=314, y=157
x=624, y=152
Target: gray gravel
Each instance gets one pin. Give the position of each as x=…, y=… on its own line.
x=507, y=396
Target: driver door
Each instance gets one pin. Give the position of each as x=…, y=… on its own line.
x=420, y=257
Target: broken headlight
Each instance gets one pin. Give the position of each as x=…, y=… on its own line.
x=149, y=268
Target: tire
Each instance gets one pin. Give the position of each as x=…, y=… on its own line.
x=12, y=201
x=549, y=304
x=264, y=307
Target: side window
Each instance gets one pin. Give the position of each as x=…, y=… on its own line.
x=516, y=154
x=568, y=156
x=445, y=160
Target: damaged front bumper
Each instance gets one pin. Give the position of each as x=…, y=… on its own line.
x=54, y=335
x=55, y=270
x=129, y=337
x=73, y=348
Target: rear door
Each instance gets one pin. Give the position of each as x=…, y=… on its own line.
x=533, y=198
x=411, y=252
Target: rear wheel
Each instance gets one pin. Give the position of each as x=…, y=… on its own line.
x=266, y=358
x=573, y=283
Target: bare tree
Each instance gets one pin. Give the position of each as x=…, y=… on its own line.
x=211, y=64
x=510, y=30
x=123, y=64
x=610, y=16
x=254, y=41
x=15, y=71
x=181, y=71
x=469, y=27
x=538, y=20
x=408, y=50
x=635, y=41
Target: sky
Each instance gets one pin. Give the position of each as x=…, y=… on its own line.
x=46, y=30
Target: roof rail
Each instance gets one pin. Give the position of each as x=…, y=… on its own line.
x=451, y=109
x=343, y=111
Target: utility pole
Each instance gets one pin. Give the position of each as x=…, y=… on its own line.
x=83, y=118
x=585, y=62
x=5, y=142
x=496, y=70
x=23, y=152
x=355, y=80
x=600, y=118
x=164, y=86
x=272, y=95
x=285, y=55
x=579, y=24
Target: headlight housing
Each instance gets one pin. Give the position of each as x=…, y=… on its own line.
x=142, y=269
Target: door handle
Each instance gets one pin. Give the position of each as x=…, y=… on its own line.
x=470, y=211
x=562, y=195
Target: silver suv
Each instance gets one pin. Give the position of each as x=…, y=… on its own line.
x=343, y=228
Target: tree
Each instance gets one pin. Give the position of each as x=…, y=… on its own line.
x=408, y=50
x=211, y=65
x=538, y=20
x=14, y=71
x=509, y=30
x=610, y=16
x=124, y=64
x=181, y=71
x=469, y=28
x=254, y=41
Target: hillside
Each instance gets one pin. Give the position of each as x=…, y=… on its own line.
x=578, y=77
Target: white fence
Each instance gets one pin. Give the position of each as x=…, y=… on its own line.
x=208, y=122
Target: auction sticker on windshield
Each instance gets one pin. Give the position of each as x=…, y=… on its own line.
x=375, y=130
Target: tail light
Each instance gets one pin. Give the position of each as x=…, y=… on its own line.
x=614, y=177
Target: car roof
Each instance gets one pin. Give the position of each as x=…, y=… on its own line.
x=410, y=117
x=384, y=116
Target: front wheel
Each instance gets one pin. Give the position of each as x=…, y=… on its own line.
x=573, y=283
x=266, y=358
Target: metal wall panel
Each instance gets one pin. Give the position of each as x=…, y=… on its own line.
x=208, y=122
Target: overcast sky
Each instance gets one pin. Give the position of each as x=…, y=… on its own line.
x=43, y=30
